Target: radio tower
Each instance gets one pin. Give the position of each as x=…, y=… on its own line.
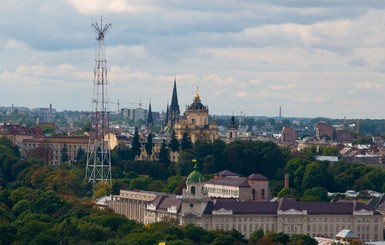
x=99, y=154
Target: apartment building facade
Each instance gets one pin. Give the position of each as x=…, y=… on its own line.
x=52, y=148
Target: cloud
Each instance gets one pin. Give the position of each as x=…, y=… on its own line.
x=357, y=62
x=92, y=7
x=369, y=85
x=241, y=94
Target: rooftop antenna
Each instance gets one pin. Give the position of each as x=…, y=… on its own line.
x=99, y=153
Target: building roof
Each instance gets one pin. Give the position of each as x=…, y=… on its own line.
x=229, y=181
x=20, y=130
x=197, y=104
x=257, y=177
x=242, y=207
x=316, y=208
x=226, y=173
x=284, y=204
x=163, y=202
x=347, y=234
x=327, y=158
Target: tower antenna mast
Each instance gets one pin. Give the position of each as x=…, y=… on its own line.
x=99, y=152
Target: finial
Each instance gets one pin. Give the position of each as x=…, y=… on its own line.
x=196, y=93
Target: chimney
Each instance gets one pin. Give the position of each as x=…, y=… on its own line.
x=286, y=180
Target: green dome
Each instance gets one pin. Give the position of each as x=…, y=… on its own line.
x=195, y=176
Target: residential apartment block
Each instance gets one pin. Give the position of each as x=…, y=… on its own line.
x=51, y=148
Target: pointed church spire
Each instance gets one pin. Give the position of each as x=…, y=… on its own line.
x=166, y=119
x=174, y=112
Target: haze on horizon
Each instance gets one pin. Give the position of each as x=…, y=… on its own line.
x=313, y=58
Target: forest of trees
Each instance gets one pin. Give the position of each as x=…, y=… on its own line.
x=42, y=204
x=53, y=205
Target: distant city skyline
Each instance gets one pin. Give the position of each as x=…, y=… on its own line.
x=312, y=59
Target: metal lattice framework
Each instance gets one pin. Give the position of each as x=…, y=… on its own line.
x=99, y=153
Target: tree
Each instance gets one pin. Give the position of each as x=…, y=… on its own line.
x=136, y=145
x=164, y=155
x=42, y=152
x=102, y=188
x=174, y=143
x=256, y=235
x=149, y=144
x=279, y=237
x=80, y=154
x=315, y=194
x=288, y=192
x=64, y=154
x=186, y=141
x=312, y=176
x=302, y=239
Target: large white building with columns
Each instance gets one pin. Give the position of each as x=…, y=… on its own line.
x=195, y=206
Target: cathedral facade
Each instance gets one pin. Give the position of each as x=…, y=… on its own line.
x=196, y=123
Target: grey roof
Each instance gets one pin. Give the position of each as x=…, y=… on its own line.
x=226, y=173
x=242, y=207
x=284, y=204
x=377, y=203
x=229, y=181
x=346, y=234
x=163, y=202
x=323, y=207
x=257, y=177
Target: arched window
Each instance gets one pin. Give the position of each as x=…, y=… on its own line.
x=231, y=135
x=192, y=190
x=193, y=121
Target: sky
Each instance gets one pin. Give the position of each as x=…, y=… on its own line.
x=320, y=58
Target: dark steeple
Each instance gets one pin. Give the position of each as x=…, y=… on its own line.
x=150, y=120
x=174, y=112
x=167, y=114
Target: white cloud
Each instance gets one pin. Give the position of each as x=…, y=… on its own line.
x=91, y=7
x=369, y=85
x=241, y=94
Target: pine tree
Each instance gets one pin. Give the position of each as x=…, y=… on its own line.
x=186, y=141
x=174, y=143
x=164, y=154
x=80, y=153
x=135, y=148
x=64, y=154
x=149, y=144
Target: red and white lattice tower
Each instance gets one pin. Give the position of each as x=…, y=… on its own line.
x=99, y=153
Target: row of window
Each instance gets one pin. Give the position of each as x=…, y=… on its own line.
x=328, y=220
x=55, y=146
x=222, y=191
x=243, y=228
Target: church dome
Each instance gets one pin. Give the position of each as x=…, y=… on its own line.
x=195, y=176
x=197, y=104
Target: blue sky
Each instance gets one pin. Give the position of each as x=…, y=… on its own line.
x=312, y=58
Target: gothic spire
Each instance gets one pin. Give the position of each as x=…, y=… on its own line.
x=167, y=114
x=174, y=99
x=174, y=112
